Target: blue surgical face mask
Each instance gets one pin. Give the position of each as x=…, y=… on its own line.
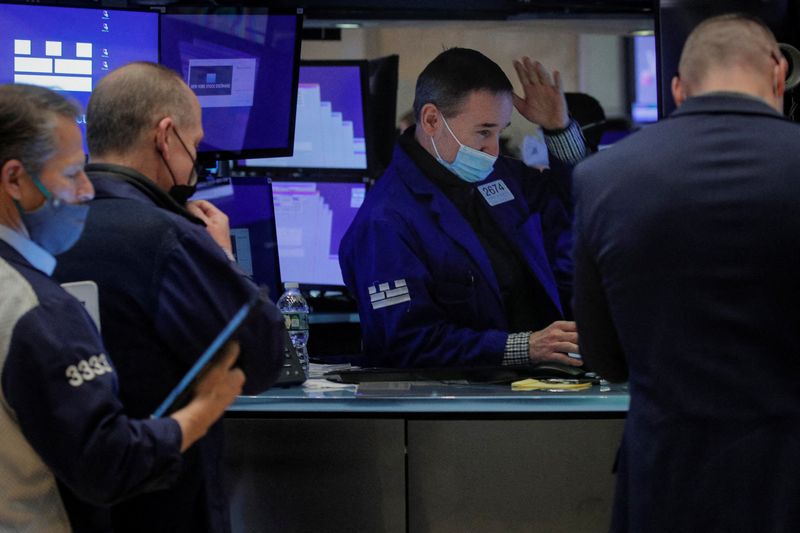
x=56, y=225
x=470, y=165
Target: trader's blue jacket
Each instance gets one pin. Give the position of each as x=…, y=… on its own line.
x=68, y=448
x=166, y=290
x=426, y=291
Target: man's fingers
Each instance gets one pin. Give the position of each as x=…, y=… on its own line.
x=557, y=79
x=237, y=378
x=543, y=75
x=565, y=347
x=565, y=325
x=230, y=353
x=194, y=209
x=523, y=78
x=530, y=71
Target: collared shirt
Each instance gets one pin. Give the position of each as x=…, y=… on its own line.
x=37, y=256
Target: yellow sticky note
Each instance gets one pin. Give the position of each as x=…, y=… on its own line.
x=557, y=385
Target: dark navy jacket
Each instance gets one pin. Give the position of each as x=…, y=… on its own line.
x=166, y=290
x=426, y=291
x=687, y=282
x=60, y=387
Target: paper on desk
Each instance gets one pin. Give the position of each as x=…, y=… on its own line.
x=317, y=370
x=552, y=385
x=317, y=384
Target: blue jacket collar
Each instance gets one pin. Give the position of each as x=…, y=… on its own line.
x=117, y=181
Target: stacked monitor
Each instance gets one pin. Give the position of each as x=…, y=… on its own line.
x=318, y=190
x=311, y=219
x=70, y=49
x=243, y=65
x=332, y=129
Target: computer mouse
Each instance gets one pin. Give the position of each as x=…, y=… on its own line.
x=556, y=370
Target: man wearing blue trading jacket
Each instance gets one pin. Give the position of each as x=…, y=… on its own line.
x=167, y=285
x=68, y=446
x=458, y=256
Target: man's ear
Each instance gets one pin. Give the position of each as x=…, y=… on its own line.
x=429, y=118
x=163, y=139
x=779, y=77
x=678, y=91
x=10, y=174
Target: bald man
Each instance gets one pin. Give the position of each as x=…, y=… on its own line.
x=167, y=285
x=687, y=285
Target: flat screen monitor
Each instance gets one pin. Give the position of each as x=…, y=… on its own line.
x=332, y=132
x=644, y=107
x=248, y=204
x=311, y=218
x=243, y=65
x=70, y=49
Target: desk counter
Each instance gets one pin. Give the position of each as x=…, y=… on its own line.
x=423, y=457
x=409, y=399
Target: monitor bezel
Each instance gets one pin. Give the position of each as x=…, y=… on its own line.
x=298, y=173
x=209, y=156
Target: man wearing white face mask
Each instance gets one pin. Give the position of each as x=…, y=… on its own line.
x=459, y=256
x=68, y=446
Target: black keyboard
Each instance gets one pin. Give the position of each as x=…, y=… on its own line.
x=492, y=374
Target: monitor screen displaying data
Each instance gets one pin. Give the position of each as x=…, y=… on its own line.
x=243, y=67
x=70, y=49
x=248, y=204
x=330, y=129
x=312, y=218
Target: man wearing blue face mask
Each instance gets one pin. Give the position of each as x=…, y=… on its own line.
x=459, y=256
x=68, y=446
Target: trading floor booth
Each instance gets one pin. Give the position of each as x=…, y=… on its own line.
x=395, y=457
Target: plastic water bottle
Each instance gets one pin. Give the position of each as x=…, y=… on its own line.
x=295, y=314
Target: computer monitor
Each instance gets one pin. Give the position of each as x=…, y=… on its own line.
x=311, y=218
x=243, y=66
x=248, y=204
x=644, y=105
x=332, y=132
x=70, y=49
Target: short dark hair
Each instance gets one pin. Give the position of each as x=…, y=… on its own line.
x=27, y=124
x=131, y=100
x=453, y=75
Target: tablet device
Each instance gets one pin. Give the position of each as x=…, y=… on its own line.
x=182, y=389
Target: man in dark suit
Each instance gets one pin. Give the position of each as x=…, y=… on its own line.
x=687, y=281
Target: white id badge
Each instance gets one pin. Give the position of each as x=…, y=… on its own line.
x=496, y=192
x=534, y=150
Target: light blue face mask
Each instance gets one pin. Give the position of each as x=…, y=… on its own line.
x=56, y=225
x=470, y=165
